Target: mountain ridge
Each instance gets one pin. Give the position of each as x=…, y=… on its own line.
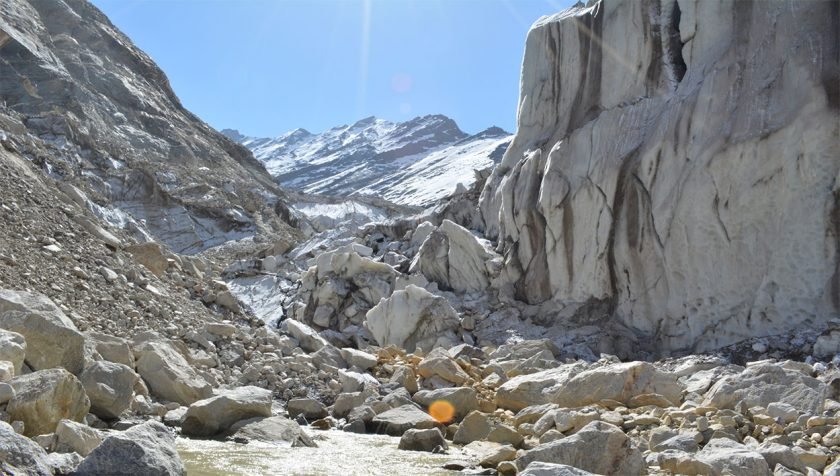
x=372, y=156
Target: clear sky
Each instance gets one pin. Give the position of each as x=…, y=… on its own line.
x=265, y=67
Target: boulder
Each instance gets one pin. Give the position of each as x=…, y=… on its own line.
x=275, y=430
x=358, y=358
x=506, y=435
x=52, y=339
x=598, y=447
x=405, y=377
x=12, y=349
x=422, y=440
x=345, y=402
x=463, y=399
x=398, y=420
x=438, y=363
x=726, y=456
x=775, y=454
x=110, y=387
x=534, y=389
x=21, y=453
x=499, y=454
x=328, y=355
x=309, y=340
x=147, y=449
x=214, y=415
x=763, y=384
x=539, y=468
x=44, y=398
x=71, y=436
x=454, y=258
x=310, y=408
x=112, y=349
x=168, y=374
x=412, y=317
x=475, y=426
x=620, y=382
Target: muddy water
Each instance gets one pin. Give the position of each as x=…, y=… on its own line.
x=338, y=453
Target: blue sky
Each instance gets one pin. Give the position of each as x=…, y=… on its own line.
x=268, y=66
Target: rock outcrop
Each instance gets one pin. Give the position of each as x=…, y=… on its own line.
x=412, y=317
x=676, y=160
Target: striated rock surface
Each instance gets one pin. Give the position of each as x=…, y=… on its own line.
x=676, y=160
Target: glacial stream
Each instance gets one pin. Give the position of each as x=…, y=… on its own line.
x=338, y=453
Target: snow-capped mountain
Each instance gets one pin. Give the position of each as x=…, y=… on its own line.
x=410, y=163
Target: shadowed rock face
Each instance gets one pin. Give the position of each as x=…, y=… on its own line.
x=677, y=160
x=104, y=111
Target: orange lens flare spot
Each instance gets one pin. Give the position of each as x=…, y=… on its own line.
x=442, y=411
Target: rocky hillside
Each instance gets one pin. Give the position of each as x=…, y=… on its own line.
x=682, y=172
x=414, y=163
x=101, y=114
x=670, y=198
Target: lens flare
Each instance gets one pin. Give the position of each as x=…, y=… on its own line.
x=442, y=411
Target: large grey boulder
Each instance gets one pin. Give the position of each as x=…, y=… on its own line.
x=21, y=453
x=168, y=374
x=110, y=387
x=216, y=414
x=397, y=421
x=659, y=183
x=412, y=317
x=52, y=340
x=422, y=440
x=44, y=398
x=534, y=389
x=726, y=456
x=620, y=382
x=147, y=449
x=12, y=349
x=475, y=426
x=275, y=430
x=763, y=384
x=310, y=408
x=598, y=447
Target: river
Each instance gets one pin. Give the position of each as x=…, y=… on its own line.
x=338, y=453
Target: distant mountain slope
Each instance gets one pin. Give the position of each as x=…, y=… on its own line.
x=106, y=119
x=411, y=163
